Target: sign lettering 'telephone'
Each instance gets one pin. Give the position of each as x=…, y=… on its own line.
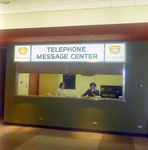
x=87, y=52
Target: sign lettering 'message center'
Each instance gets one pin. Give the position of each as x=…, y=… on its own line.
x=67, y=53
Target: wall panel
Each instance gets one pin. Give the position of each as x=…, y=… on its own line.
x=72, y=113
x=2, y=80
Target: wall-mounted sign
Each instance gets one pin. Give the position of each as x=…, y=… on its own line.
x=71, y=53
x=115, y=52
x=68, y=53
x=22, y=53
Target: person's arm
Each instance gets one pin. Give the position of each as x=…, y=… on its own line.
x=64, y=93
x=57, y=93
x=97, y=92
x=86, y=93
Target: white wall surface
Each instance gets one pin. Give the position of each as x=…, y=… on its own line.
x=119, y=15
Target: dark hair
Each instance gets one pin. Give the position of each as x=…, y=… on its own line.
x=62, y=83
x=92, y=83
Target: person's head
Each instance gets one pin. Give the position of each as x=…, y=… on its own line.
x=92, y=85
x=62, y=85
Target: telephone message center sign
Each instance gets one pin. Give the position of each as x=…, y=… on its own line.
x=70, y=53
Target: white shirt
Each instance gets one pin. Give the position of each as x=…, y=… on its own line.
x=60, y=92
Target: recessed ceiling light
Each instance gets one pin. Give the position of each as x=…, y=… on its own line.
x=5, y=1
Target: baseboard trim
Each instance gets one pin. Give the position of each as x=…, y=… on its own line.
x=78, y=129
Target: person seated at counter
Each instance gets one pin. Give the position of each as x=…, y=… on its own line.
x=92, y=91
x=61, y=91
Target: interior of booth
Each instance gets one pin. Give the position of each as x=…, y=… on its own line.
x=43, y=79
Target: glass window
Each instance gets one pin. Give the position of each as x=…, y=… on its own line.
x=43, y=84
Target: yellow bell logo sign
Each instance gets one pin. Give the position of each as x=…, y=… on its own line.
x=22, y=50
x=114, y=49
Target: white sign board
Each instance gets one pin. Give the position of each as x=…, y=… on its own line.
x=22, y=53
x=71, y=53
x=68, y=53
x=115, y=52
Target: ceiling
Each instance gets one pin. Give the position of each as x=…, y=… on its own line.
x=26, y=6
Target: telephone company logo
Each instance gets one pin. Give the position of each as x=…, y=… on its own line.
x=22, y=53
x=114, y=49
x=22, y=50
x=115, y=52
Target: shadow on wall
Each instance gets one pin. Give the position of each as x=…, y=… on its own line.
x=2, y=80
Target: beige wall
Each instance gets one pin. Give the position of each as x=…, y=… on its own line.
x=116, y=15
x=48, y=83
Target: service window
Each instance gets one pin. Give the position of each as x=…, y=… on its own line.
x=41, y=84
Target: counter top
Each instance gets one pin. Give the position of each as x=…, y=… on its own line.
x=79, y=98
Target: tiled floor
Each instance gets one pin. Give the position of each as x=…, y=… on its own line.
x=31, y=138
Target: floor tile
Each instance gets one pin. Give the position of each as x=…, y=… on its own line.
x=116, y=142
x=18, y=137
x=62, y=140
x=140, y=143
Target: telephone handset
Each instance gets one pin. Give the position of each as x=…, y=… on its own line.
x=93, y=89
